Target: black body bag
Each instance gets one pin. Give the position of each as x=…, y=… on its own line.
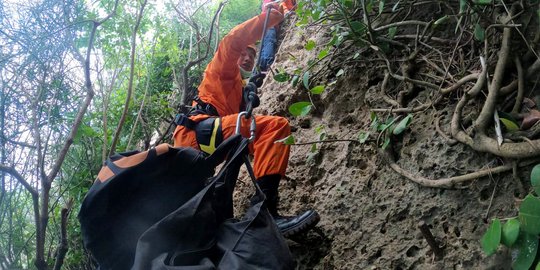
x=162, y=209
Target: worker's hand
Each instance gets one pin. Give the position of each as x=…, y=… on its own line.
x=258, y=79
x=250, y=95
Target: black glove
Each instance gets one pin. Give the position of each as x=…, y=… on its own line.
x=258, y=79
x=250, y=95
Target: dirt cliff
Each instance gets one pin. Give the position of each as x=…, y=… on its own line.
x=369, y=213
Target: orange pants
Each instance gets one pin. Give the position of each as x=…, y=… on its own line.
x=269, y=157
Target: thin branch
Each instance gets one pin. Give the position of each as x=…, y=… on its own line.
x=89, y=96
x=326, y=141
x=402, y=23
x=192, y=63
x=130, y=82
x=13, y=172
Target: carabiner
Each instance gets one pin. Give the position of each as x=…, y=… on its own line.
x=252, y=127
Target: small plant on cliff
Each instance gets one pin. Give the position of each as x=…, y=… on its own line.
x=519, y=233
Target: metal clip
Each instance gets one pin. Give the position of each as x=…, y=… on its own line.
x=252, y=127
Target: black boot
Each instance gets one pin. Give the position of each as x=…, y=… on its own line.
x=288, y=225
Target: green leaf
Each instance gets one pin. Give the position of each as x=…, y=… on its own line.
x=386, y=143
x=509, y=124
x=510, y=232
x=281, y=77
x=374, y=120
x=348, y=4
x=358, y=27
x=313, y=148
x=369, y=6
x=482, y=2
x=295, y=80
x=316, y=15
x=363, y=136
x=392, y=32
x=287, y=140
x=301, y=108
x=529, y=215
x=441, y=20
x=319, y=129
x=310, y=45
x=322, y=54
x=526, y=246
x=479, y=32
x=381, y=6
x=339, y=73
x=491, y=239
x=535, y=179
x=305, y=79
x=402, y=125
x=537, y=266
x=317, y=90
x=462, y=5
x=395, y=7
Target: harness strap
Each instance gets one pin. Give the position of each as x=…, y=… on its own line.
x=203, y=108
x=183, y=120
x=208, y=132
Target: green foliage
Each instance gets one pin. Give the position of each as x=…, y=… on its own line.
x=479, y=32
x=305, y=79
x=510, y=232
x=310, y=45
x=317, y=90
x=322, y=54
x=521, y=234
x=529, y=215
x=281, y=77
x=363, y=136
x=402, y=125
x=491, y=239
x=526, y=247
x=509, y=124
x=386, y=129
x=301, y=108
x=287, y=140
x=535, y=179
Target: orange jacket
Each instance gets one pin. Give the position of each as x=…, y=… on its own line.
x=288, y=5
x=222, y=84
x=285, y=6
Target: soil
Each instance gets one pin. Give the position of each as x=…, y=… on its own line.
x=369, y=213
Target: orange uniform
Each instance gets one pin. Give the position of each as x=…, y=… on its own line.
x=222, y=88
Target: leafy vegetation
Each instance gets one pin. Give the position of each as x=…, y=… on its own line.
x=520, y=234
x=66, y=70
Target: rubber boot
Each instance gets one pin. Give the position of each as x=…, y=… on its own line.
x=288, y=225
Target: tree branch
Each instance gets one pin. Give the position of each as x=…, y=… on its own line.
x=130, y=82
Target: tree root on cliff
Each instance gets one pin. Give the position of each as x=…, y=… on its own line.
x=449, y=182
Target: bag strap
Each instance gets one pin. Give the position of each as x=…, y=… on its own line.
x=259, y=194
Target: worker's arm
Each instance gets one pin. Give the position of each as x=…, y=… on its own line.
x=232, y=45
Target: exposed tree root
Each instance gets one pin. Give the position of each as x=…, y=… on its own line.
x=474, y=130
x=450, y=182
x=521, y=87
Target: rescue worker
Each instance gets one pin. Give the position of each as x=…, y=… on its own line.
x=269, y=42
x=222, y=94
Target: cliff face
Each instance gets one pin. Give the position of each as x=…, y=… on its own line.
x=369, y=213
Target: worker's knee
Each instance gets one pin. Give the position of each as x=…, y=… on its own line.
x=283, y=124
